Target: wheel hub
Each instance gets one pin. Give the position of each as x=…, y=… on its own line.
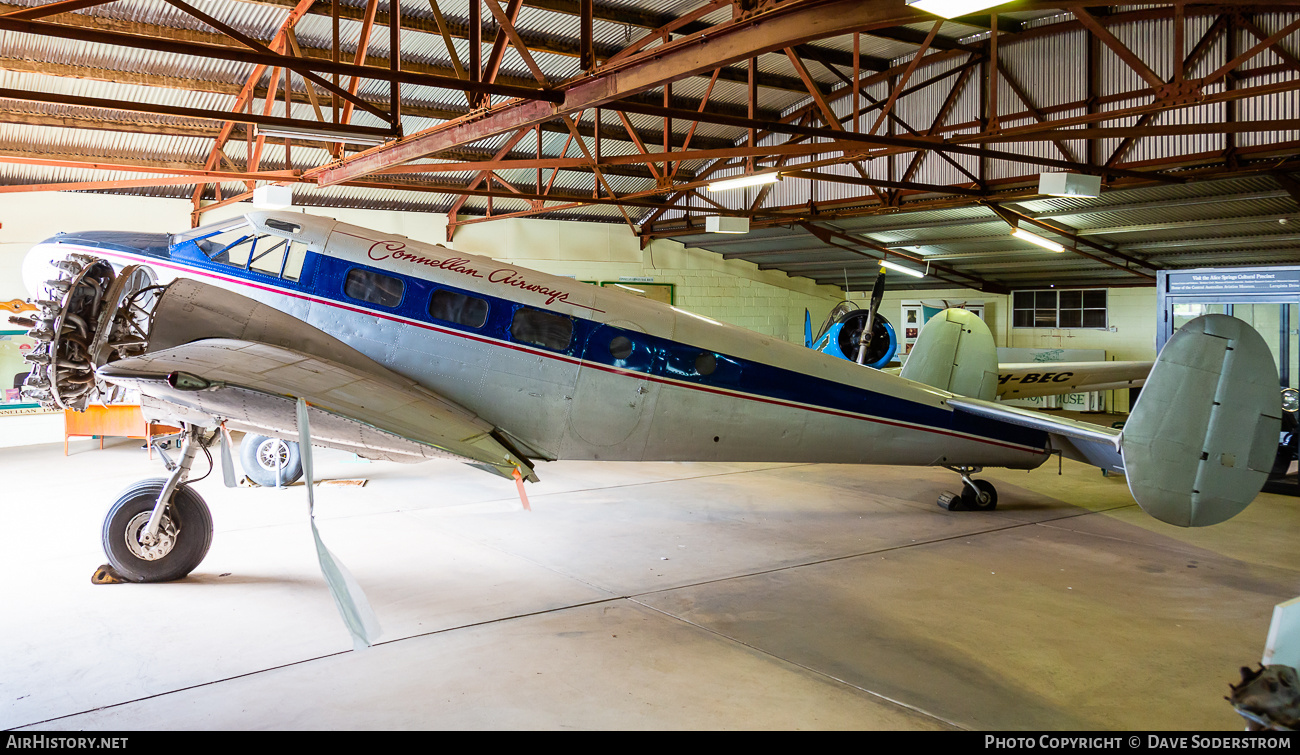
x=273, y=454
x=162, y=545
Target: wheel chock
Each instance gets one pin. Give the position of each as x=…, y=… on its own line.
x=950, y=501
x=105, y=575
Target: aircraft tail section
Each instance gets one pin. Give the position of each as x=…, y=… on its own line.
x=1201, y=440
x=955, y=352
x=1199, y=444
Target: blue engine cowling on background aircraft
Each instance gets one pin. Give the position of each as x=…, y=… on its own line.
x=842, y=333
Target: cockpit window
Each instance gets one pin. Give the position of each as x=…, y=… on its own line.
x=240, y=246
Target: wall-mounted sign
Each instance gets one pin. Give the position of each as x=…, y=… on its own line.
x=636, y=279
x=1281, y=281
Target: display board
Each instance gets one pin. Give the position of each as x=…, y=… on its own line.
x=14, y=345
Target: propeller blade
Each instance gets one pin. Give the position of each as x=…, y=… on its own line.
x=227, y=462
x=349, y=598
x=877, y=294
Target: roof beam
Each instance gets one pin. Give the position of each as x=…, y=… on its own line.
x=242, y=55
x=785, y=25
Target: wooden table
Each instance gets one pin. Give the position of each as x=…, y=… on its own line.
x=115, y=420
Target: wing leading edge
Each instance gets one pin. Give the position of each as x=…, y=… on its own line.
x=255, y=387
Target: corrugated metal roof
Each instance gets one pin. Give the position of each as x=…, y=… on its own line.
x=1050, y=69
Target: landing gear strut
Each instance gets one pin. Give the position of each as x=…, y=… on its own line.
x=159, y=530
x=976, y=495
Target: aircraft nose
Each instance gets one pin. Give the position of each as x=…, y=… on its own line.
x=37, y=268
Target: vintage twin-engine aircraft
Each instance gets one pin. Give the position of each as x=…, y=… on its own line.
x=405, y=351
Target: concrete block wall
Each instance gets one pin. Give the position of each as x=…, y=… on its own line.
x=731, y=291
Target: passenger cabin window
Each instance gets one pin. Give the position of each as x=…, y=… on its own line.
x=450, y=306
x=544, y=329
x=244, y=248
x=375, y=288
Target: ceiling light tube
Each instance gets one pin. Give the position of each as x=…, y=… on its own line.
x=743, y=181
x=1034, y=238
x=324, y=135
x=901, y=269
x=953, y=8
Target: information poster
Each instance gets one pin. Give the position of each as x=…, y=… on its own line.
x=14, y=345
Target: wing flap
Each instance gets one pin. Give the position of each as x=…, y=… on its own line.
x=256, y=385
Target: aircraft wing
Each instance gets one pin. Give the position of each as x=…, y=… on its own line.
x=1026, y=379
x=1081, y=441
x=255, y=387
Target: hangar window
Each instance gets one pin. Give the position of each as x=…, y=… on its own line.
x=375, y=288
x=1074, y=308
x=539, y=328
x=450, y=306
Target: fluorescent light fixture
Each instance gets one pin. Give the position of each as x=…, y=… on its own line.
x=953, y=8
x=743, y=181
x=901, y=269
x=272, y=197
x=720, y=224
x=1034, y=238
x=1069, y=185
x=320, y=134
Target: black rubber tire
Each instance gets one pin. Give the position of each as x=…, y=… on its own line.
x=187, y=511
x=248, y=457
x=971, y=502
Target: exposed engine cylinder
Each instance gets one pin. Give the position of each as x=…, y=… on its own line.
x=89, y=316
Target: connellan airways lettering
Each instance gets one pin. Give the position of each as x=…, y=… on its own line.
x=396, y=250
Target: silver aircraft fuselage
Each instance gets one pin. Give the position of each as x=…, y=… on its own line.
x=636, y=380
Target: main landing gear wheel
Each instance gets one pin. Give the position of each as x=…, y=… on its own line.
x=267, y=460
x=184, y=534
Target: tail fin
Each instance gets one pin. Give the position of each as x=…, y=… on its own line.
x=955, y=352
x=1202, y=437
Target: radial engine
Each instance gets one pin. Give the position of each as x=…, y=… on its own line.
x=90, y=315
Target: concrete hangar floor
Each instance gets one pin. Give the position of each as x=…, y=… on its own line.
x=639, y=596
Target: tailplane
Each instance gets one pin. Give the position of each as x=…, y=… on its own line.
x=1203, y=436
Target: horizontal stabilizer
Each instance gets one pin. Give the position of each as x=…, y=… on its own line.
x=1201, y=440
x=1081, y=441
